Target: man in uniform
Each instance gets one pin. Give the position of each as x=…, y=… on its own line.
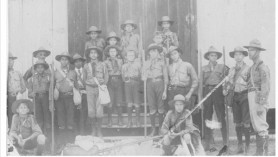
x=258, y=92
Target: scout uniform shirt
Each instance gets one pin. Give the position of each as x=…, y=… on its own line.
x=95, y=69
x=213, y=74
x=29, y=73
x=238, y=77
x=156, y=69
x=114, y=66
x=173, y=38
x=65, y=84
x=131, y=70
x=15, y=82
x=40, y=83
x=80, y=77
x=98, y=42
x=130, y=42
x=182, y=74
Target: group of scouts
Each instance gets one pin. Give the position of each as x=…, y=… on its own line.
x=119, y=64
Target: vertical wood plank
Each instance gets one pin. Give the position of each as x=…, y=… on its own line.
x=173, y=14
x=161, y=10
x=194, y=36
x=150, y=22
x=102, y=15
x=93, y=13
x=113, y=19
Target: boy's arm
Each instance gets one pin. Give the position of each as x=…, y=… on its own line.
x=175, y=40
x=13, y=129
x=22, y=84
x=194, y=79
x=106, y=75
x=27, y=74
x=166, y=124
x=165, y=76
x=35, y=129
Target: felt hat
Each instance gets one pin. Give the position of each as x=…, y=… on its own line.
x=106, y=50
x=20, y=101
x=178, y=97
x=41, y=62
x=212, y=49
x=63, y=54
x=11, y=56
x=131, y=22
x=41, y=49
x=76, y=57
x=98, y=49
x=165, y=19
x=112, y=35
x=154, y=46
x=173, y=48
x=93, y=29
x=255, y=44
x=238, y=49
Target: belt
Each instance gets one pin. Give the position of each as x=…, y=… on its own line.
x=128, y=79
x=176, y=86
x=155, y=79
x=242, y=92
x=67, y=93
x=115, y=77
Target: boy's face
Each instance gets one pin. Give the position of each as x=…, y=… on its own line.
x=41, y=55
x=40, y=69
x=93, y=35
x=128, y=28
x=154, y=53
x=22, y=109
x=238, y=56
x=112, y=41
x=130, y=56
x=212, y=57
x=112, y=52
x=11, y=63
x=252, y=52
x=175, y=55
x=165, y=25
x=158, y=39
x=78, y=64
x=93, y=54
x=64, y=61
x=179, y=106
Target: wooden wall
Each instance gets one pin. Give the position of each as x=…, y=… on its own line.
x=110, y=14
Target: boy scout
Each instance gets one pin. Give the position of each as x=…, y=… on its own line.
x=130, y=40
x=213, y=74
x=170, y=38
x=186, y=133
x=115, y=83
x=15, y=85
x=39, y=90
x=66, y=80
x=155, y=72
x=95, y=69
x=183, y=77
x=95, y=39
x=258, y=92
x=158, y=40
x=81, y=111
x=237, y=84
x=25, y=130
x=131, y=74
x=113, y=39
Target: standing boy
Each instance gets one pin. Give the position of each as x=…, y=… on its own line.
x=131, y=74
x=95, y=39
x=213, y=74
x=155, y=72
x=258, y=92
x=237, y=84
x=81, y=111
x=115, y=83
x=95, y=69
x=170, y=38
x=15, y=85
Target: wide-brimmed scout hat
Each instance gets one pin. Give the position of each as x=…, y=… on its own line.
x=28, y=103
x=212, y=49
x=93, y=29
x=63, y=54
x=255, y=44
x=76, y=57
x=41, y=62
x=11, y=56
x=113, y=35
x=154, y=46
x=130, y=22
x=173, y=48
x=238, y=49
x=106, y=50
x=98, y=49
x=178, y=97
x=165, y=19
x=41, y=49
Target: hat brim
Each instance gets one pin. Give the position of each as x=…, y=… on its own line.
x=259, y=48
x=47, y=53
x=99, y=51
x=159, y=48
x=219, y=54
x=89, y=32
x=123, y=25
x=170, y=21
x=18, y=102
x=58, y=57
x=172, y=102
x=46, y=66
x=117, y=38
x=232, y=54
x=74, y=60
x=13, y=58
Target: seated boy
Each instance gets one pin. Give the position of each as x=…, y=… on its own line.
x=185, y=134
x=25, y=131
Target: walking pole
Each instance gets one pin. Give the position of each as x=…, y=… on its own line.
x=200, y=89
x=33, y=94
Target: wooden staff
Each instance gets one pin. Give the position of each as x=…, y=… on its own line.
x=200, y=89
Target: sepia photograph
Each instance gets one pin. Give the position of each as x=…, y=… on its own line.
x=139, y=78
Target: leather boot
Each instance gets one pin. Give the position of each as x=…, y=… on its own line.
x=39, y=150
x=138, y=124
x=99, y=126
x=120, y=118
x=109, y=116
x=247, y=139
x=129, y=111
x=160, y=120
x=94, y=123
x=262, y=145
x=239, y=138
x=153, y=131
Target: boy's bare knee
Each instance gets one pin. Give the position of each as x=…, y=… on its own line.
x=187, y=138
x=41, y=139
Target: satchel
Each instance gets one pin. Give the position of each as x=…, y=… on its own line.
x=104, y=97
x=56, y=94
x=76, y=96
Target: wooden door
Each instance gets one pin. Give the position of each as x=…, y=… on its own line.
x=108, y=15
